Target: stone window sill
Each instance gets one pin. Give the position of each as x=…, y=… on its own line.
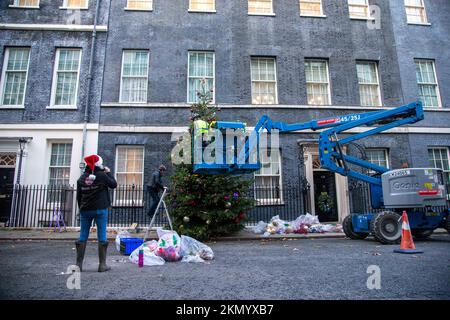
x=201, y=11
x=74, y=8
x=135, y=9
x=262, y=14
x=312, y=16
x=424, y=24
x=23, y=7
x=361, y=18
x=61, y=107
x=5, y=106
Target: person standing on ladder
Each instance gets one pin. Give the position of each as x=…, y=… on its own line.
x=155, y=187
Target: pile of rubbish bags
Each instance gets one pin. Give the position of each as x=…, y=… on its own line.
x=306, y=223
x=169, y=248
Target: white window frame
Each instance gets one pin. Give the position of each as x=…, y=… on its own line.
x=146, y=76
x=367, y=5
x=328, y=81
x=426, y=22
x=272, y=13
x=438, y=91
x=66, y=6
x=138, y=9
x=380, y=101
x=274, y=81
x=55, y=82
x=270, y=201
x=16, y=4
x=3, y=79
x=446, y=172
x=214, y=75
x=320, y=15
x=50, y=145
x=386, y=155
x=197, y=10
x=124, y=203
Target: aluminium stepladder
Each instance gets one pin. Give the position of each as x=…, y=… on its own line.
x=163, y=203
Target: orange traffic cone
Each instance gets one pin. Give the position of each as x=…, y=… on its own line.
x=407, y=244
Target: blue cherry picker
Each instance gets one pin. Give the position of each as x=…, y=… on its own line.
x=421, y=192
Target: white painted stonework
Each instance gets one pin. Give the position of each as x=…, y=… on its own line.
x=36, y=159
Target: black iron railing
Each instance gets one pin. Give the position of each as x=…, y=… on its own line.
x=41, y=205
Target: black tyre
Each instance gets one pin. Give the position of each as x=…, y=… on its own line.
x=447, y=224
x=386, y=227
x=347, y=225
x=422, y=234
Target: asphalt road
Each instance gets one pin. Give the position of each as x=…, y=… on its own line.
x=298, y=269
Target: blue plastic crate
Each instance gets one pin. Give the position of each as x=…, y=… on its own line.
x=128, y=245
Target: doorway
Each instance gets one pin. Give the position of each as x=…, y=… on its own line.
x=6, y=192
x=334, y=205
x=325, y=200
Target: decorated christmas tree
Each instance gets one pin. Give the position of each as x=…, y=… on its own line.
x=205, y=206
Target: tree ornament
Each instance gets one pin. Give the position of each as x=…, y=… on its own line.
x=227, y=204
x=186, y=219
x=208, y=221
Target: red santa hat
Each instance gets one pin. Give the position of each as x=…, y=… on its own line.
x=93, y=161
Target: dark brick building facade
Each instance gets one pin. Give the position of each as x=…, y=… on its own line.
x=343, y=42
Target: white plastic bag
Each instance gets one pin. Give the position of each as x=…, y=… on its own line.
x=278, y=226
x=192, y=247
x=150, y=258
x=121, y=235
x=169, y=245
x=260, y=227
x=310, y=219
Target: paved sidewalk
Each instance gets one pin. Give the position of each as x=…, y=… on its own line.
x=71, y=234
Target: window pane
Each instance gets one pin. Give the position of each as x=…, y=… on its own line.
x=130, y=160
x=378, y=157
x=311, y=7
x=201, y=66
x=358, y=8
x=316, y=73
x=13, y=90
x=60, y=159
x=427, y=83
x=76, y=3
x=260, y=6
x=268, y=178
x=368, y=83
x=263, y=75
x=27, y=3
x=68, y=63
x=207, y=5
x=415, y=11
x=438, y=158
x=140, y=4
x=134, y=76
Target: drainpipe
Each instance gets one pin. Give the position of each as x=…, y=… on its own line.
x=91, y=62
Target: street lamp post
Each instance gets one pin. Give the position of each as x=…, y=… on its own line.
x=22, y=142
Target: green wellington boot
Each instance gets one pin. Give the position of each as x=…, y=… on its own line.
x=81, y=247
x=102, y=267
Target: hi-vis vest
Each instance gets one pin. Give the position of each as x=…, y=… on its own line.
x=200, y=127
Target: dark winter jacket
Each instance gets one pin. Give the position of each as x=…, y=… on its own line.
x=156, y=182
x=93, y=194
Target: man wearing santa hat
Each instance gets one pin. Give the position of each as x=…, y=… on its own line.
x=93, y=201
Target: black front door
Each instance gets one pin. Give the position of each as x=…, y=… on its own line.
x=325, y=201
x=6, y=192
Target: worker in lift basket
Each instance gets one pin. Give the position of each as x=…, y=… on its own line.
x=201, y=127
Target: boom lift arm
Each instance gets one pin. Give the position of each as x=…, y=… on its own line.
x=330, y=147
